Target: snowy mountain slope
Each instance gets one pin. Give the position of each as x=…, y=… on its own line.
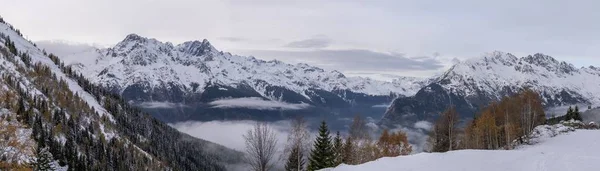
x=501, y=72
x=574, y=151
x=474, y=83
x=193, y=65
x=17, y=146
x=38, y=56
x=183, y=82
x=84, y=127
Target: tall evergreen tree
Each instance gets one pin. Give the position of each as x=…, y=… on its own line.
x=338, y=149
x=322, y=154
x=569, y=114
x=295, y=160
x=44, y=160
x=573, y=113
x=577, y=114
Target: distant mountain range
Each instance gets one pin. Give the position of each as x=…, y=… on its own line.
x=195, y=81
x=474, y=83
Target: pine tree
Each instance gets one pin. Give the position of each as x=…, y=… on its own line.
x=295, y=160
x=569, y=114
x=322, y=155
x=348, y=151
x=576, y=114
x=44, y=160
x=338, y=149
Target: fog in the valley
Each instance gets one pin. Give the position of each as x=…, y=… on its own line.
x=230, y=133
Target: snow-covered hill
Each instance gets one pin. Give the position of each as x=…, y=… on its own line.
x=574, y=151
x=474, y=83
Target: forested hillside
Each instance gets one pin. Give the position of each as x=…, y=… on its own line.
x=79, y=126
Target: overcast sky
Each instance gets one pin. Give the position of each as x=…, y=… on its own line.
x=397, y=37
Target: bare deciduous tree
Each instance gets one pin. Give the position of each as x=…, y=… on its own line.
x=261, y=145
x=443, y=137
x=298, y=143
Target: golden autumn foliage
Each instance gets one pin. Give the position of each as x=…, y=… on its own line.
x=10, y=138
x=499, y=124
x=393, y=144
x=359, y=148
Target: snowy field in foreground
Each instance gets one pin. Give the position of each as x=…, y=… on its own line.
x=579, y=150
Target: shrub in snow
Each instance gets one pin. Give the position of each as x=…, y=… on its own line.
x=542, y=132
x=574, y=123
x=592, y=125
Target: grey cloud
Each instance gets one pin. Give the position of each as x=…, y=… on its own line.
x=64, y=48
x=161, y=105
x=233, y=39
x=310, y=43
x=352, y=60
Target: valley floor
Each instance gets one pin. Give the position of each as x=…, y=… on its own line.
x=579, y=150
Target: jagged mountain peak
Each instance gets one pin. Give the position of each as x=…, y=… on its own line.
x=495, y=57
x=501, y=72
x=476, y=82
x=550, y=63
x=197, y=48
x=134, y=42
x=153, y=64
x=529, y=64
x=134, y=37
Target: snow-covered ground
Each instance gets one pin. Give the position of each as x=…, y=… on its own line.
x=579, y=150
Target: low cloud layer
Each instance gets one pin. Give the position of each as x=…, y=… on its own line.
x=562, y=110
x=381, y=106
x=310, y=43
x=417, y=137
x=230, y=134
x=257, y=103
x=160, y=105
x=64, y=48
x=424, y=125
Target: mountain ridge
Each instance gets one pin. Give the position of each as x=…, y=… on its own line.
x=474, y=83
x=198, y=53
x=195, y=74
x=83, y=126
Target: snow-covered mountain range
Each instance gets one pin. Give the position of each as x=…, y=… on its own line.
x=476, y=82
x=147, y=71
x=198, y=77
x=197, y=64
x=47, y=107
